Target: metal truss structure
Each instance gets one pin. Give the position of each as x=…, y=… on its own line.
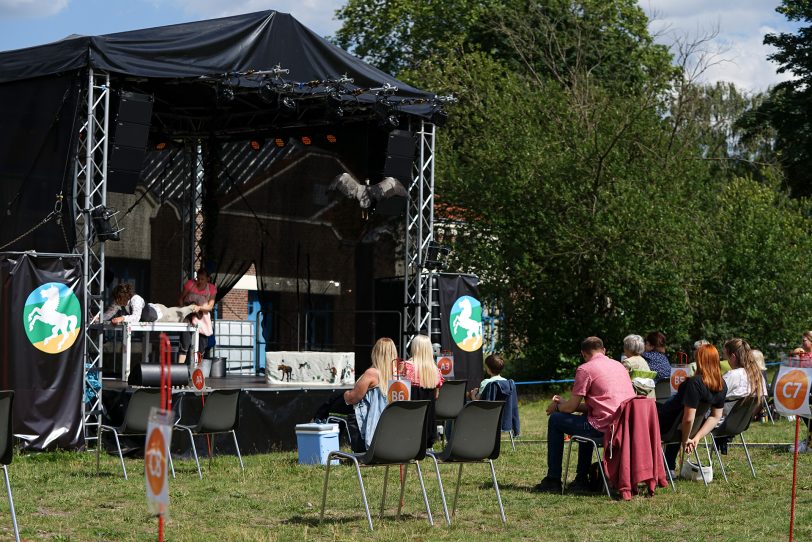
x=192, y=218
x=90, y=192
x=417, y=292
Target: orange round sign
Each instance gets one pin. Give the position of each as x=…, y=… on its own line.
x=155, y=458
x=198, y=379
x=445, y=365
x=397, y=392
x=678, y=377
x=792, y=389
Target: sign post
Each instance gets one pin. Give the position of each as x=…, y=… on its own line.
x=156, y=448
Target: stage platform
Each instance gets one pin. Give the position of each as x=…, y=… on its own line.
x=268, y=413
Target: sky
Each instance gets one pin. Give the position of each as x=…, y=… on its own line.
x=736, y=49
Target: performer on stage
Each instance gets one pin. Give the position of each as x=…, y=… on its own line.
x=129, y=307
x=202, y=293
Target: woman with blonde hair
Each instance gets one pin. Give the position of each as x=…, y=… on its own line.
x=426, y=380
x=744, y=378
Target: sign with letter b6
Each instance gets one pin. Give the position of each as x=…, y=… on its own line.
x=399, y=390
x=791, y=391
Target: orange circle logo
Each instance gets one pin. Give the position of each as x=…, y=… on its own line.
x=445, y=365
x=678, y=377
x=197, y=379
x=792, y=389
x=155, y=459
x=397, y=392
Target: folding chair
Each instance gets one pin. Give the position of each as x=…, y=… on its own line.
x=476, y=439
x=674, y=436
x=736, y=423
x=494, y=392
x=449, y=402
x=220, y=415
x=6, y=449
x=596, y=446
x=136, y=419
x=399, y=439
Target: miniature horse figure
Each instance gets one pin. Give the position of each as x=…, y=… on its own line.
x=286, y=371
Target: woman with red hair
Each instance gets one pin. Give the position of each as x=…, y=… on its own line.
x=706, y=386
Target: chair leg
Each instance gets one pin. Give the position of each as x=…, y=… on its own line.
x=498, y=495
x=404, y=469
x=171, y=463
x=768, y=409
x=98, y=448
x=385, y=482
x=442, y=491
x=699, y=464
x=210, y=438
x=718, y=456
x=363, y=491
x=425, y=495
x=324, y=491
x=120, y=455
x=11, y=505
x=512, y=442
x=194, y=450
x=747, y=453
x=567, y=468
x=600, y=468
x=668, y=470
x=237, y=447
x=456, y=492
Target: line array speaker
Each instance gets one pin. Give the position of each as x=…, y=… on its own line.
x=400, y=149
x=128, y=141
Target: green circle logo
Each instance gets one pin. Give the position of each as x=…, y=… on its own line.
x=52, y=317
x=466, y=323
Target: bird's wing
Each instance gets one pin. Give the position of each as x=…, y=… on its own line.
x=389, y=187
x=348, y=186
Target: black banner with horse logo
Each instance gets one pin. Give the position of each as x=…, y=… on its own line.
x=461, y=325
x=41, y=347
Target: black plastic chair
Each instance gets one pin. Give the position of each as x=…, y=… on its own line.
x=220, y=415
x=6, y=449
x=476, y=439
x=662, y=391
x=450, y=401
x=136, y=419
x=399, y=439
x=674, y=436
x=736, y=423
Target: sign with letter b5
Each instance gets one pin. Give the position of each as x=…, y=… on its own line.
x=791, y=392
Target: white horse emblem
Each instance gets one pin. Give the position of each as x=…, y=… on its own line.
x=60, y=323
x=464, y=320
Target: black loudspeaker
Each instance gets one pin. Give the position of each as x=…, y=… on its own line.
x=149, y=374
x=128, y=142
x=400, y=149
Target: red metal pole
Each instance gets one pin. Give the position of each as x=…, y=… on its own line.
x=166, y=400
x=794, y=477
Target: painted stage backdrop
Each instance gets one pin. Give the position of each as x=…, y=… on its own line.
x=41, y=348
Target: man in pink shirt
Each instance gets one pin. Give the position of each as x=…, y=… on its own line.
x=601, y=385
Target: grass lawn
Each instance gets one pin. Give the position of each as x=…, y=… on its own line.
x=59, y=497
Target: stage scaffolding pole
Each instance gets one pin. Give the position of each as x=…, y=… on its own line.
x=192, y=213
x=89, y=192
x=419, y=233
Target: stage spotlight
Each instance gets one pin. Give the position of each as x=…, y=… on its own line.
x=105, y=230
x=225, y=93
x=392, y=121
x=331, y=138
x=279, y=142
x=436, y=255
x=306, y=140
x=161, y=145
x=289, y=103
x=439, y=117
x=267, y=92
x=256, y=144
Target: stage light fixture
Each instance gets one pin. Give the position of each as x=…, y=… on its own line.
x=331, y=138
x=289, y=103
x=256, y=144
x=267, y=92
x=439, y=117
x=306, y=140
x=105, y=229
x=225, y=93
x=436, y=255
x=161, y=145
x=392, y=121
x=279, y=142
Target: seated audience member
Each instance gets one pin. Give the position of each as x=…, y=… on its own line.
x=494, y=364
x=129, y=307
x=497, y=388
x=642, y=377
x=743, y=380
x=601, y=386
x=426, y=380
x=758, y=356
x=705, y=386
x=655, y=355
x=364, y=403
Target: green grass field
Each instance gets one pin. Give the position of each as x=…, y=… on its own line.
x=59, y=497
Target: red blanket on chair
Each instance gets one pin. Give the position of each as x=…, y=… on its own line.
x=632, y=449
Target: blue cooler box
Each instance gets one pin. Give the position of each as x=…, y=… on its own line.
x=316, y=441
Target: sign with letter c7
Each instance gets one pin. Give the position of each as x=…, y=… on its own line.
x=791, y=392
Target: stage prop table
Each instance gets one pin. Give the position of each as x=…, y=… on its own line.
x=312, y=369
x=147, y=327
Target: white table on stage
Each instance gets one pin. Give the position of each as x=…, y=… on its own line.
x=315, y=369
x=147, y=327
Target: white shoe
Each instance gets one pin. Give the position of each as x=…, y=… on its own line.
x=791, y=418
x=802, y=448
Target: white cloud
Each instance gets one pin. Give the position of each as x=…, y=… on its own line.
x=315, y=14
x=14, y=9
x=740, y=26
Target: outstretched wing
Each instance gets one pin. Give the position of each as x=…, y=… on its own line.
x=349, y=187
x=388, y=188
